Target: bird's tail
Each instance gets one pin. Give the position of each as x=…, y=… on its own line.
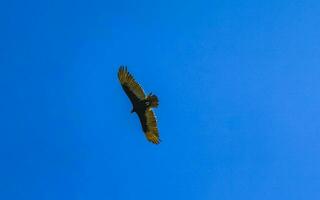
x=153, y=99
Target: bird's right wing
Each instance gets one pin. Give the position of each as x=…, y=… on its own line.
x=133, y=90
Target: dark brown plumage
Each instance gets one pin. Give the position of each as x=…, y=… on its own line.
x=142, y=104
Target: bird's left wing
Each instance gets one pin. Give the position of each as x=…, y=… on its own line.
x=152, y=133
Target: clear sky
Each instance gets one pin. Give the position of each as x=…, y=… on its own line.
x=238, y=83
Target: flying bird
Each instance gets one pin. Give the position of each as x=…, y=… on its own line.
x=142, y=104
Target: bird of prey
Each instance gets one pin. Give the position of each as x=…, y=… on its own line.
x=142, y=104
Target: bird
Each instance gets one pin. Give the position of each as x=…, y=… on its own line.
x=142, y=104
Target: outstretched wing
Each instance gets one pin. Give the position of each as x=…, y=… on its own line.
x=133, y=90
x=149, y=125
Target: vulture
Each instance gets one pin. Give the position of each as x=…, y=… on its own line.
x=142, y=104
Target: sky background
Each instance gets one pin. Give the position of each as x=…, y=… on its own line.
x=238, y=83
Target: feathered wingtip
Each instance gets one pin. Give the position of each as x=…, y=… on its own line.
x=153, y=99
x=152, y=138
x=123, y=73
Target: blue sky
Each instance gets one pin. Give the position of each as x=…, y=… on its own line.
x=238, y=83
